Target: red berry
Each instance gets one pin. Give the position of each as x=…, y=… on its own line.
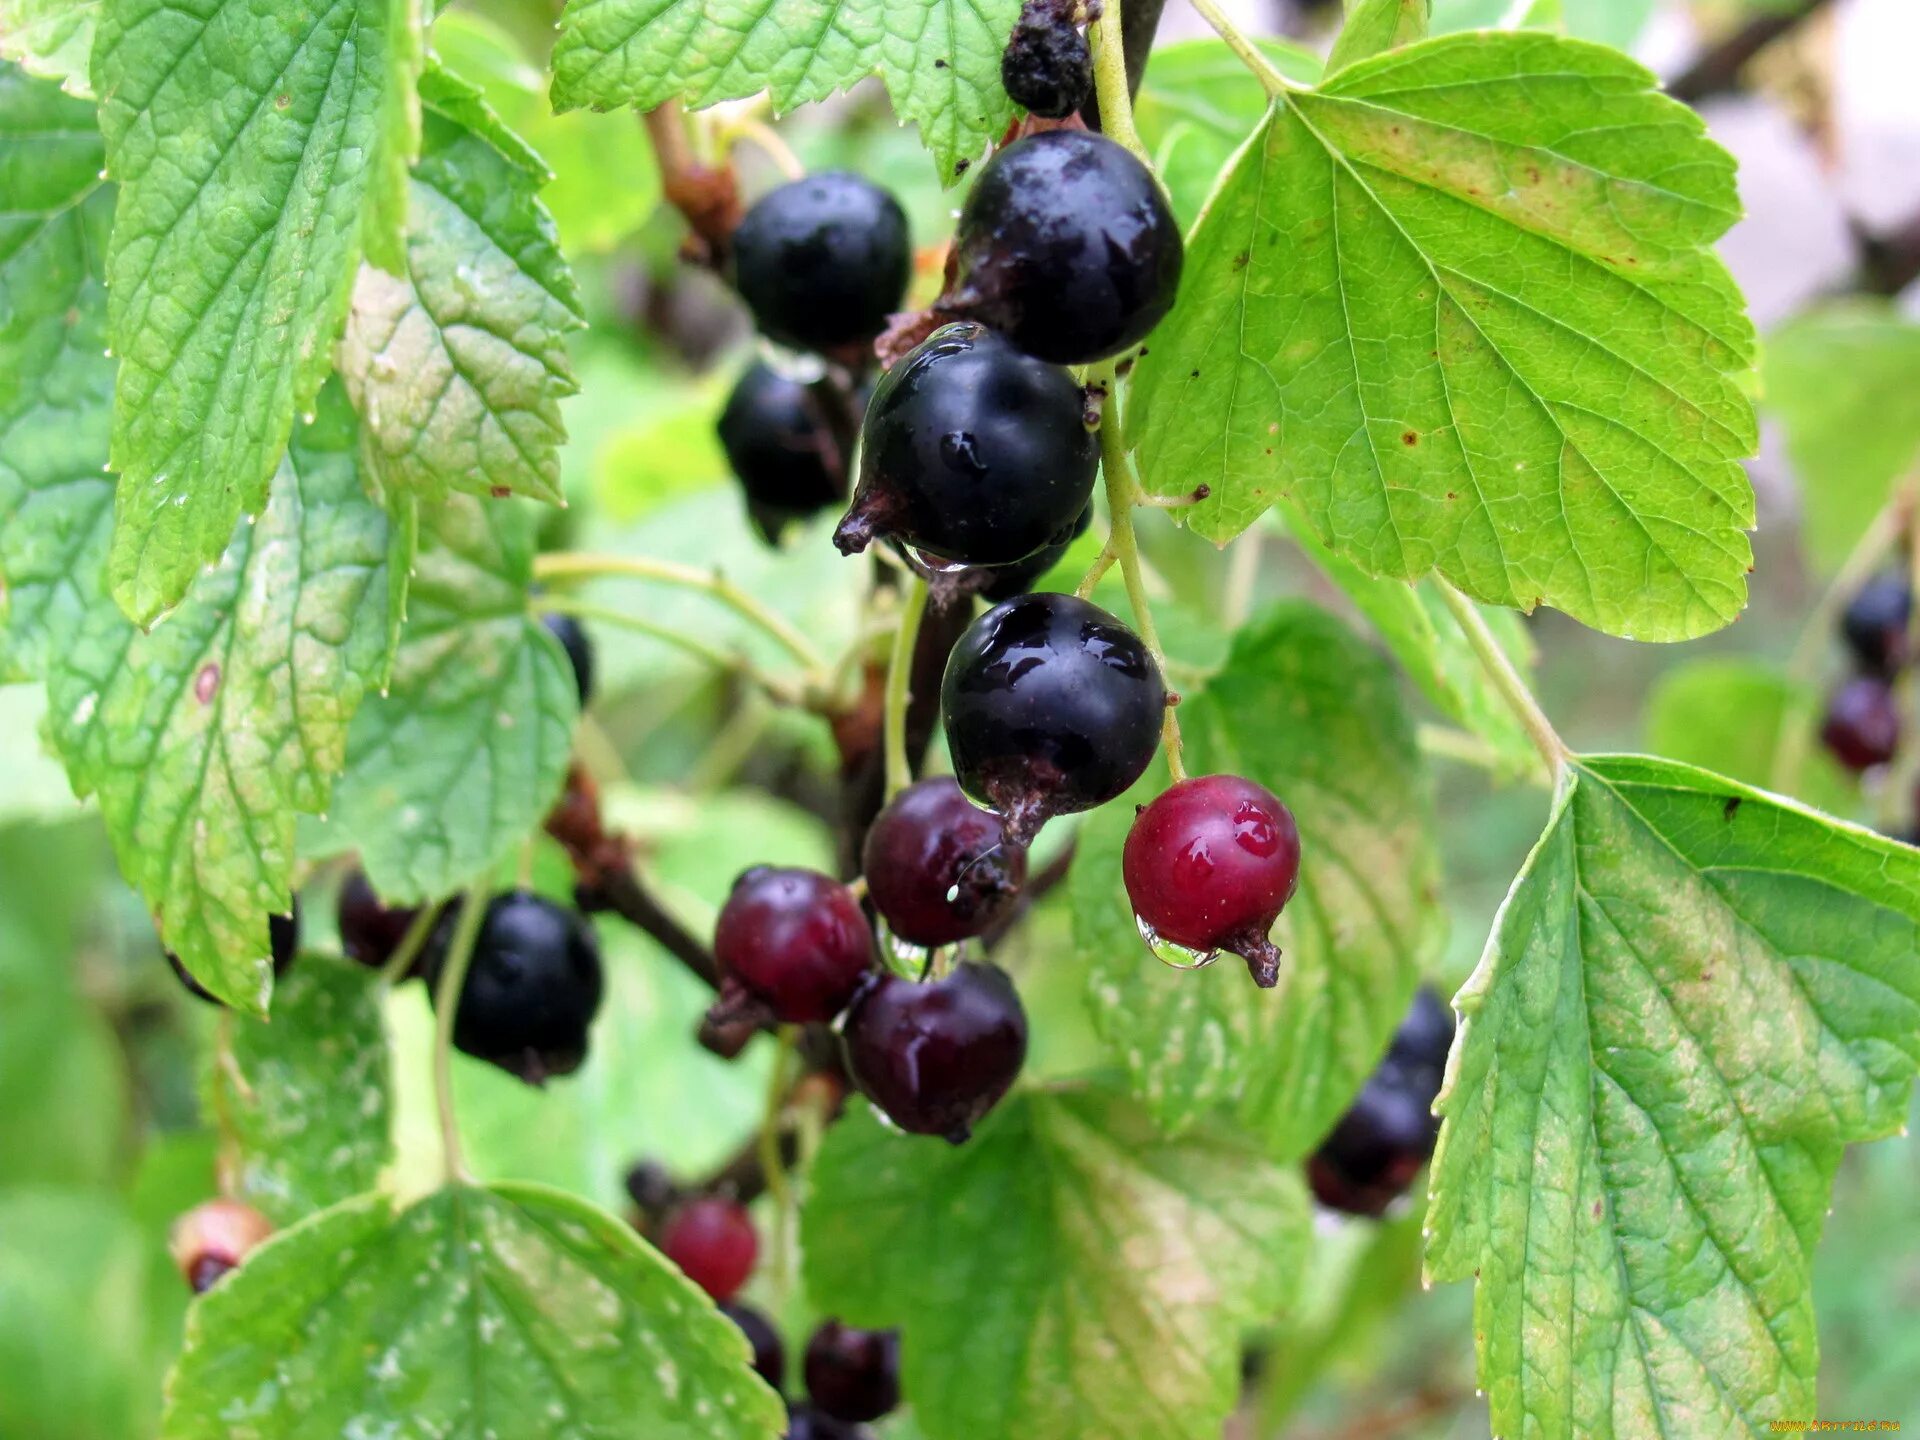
x=1210, y=864
x=212, y=1239
x=938, y=866
x=713, y=1242
x=853, y=1375
x=1862, y=727
x=793, y=940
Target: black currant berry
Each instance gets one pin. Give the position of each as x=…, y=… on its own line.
x=1006, y=581
x=1209, y=866
x=532, y=987
x=1425, y=1036
x=938, y=867
x=822, y=262
x=972, y=453
x=794, y=941
x=806, y=1422
x=1047, y=68
x=1051, y=707
x=283, y=942
x=769, y=1353
x=1876, y=623
x=370, y=931
x=1862, y=726
x=573, y=639
x=936, y=1057
x=1372, y=1155
x=212, y=1239
x=781, y=450
x=853, y=1375
x=1066, y=246
x=651, y=1187
x=713, y=1241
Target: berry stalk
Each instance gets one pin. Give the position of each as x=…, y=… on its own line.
x=453, y=979
x=1110, y=83
x=400, y=965
x=913, y=605
x=1506, y=679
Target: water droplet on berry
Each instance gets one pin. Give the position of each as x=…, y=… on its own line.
x=1175, y=957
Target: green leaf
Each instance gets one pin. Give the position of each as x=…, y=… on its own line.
x=56, y=384
x=1734, y=715
x=1458, y=306
x=512, y=1310
x=461, y=759
x=384, y=233
x=203, y=738
x=1066, y=1273
x=50, y=38
x=1304, y=708
x=1842, y=381
x=940, y=59
x=305, y=1101
x=243, y=138
x=1695, y=996
x=458, y=363
x=1374, y=26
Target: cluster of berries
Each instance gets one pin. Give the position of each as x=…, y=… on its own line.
x=1862, y=724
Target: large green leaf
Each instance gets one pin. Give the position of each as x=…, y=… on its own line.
x=1457, y=305
x=56, y=384
x=1066, y=1273
x=939, y=59
x=304, y=1103
x=1843, y=381
x=458, y=364
x=204, y=738
x=1304, y=708
x=1695, y=996
x=459, y=761
x=510, y=1311
x=243, y=137
x=50, y=38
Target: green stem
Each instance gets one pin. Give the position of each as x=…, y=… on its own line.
x=1274, y=82
x=446, y=1002
x=400, y=964
x=913, y=605
x=1506, y=679
x=712, y=655
x=779, y=1083
x=1110, y=83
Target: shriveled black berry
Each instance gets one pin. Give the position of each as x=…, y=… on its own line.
x=1047, y=67
x=572, y=636
x=972, y=453
x=1051, y=707
x=532, y=987
x=1372, y=1155
x=781, y=450
x=853, y=1374
x=1006, y=581
x=1067, y=247
x=1875, y=625
x=822, y=262
x=283, y=943
x=769, y=1353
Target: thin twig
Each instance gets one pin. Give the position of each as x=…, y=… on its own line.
x=1506, y=678
x=1718, y=68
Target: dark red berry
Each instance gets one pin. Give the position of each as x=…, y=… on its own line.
x=1004, y=582
x=938, y=867
x=212, y=1239
x=1047, y=68
x=1209, y=866
x=283, y=943
x=1372, y=1155
x=1051, y=707
x=781, y=450
x=972, y=453
x=853, y=1375
x=1067, y=247
x=1876, y=624
x=769, y=1354
x=1862, y=727
x=573, y=639
x=713, y=1241
x=822, y=262
x=936, y=1057
x=793, y=940
x=370, y=931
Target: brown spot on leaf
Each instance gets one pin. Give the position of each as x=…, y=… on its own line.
x=1731, y=808
x=501, y=492
x=1411, y=437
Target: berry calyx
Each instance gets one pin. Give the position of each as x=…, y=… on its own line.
x=713, y=1241
x=971, y=453
x=283, y=944
x=370, y=930
x=1862, y=725
x=1047, y=68
x=1067, y=247
x=1876, y=624
x=936, y=1057
x=781, y=449
x=532, y=988
x=822, y=262
x=573, y=639
x=1051, y=707
x=1006, y=581
x=938, y=867
x=1372, y=1155
x=1210, y=864
x=212, y=1239
x=792, y=941
x=853, y=1375
x=769, y=1352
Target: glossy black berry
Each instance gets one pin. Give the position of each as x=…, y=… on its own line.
x=938, y=867
x=532, y=987
x=822, y=262
x=1875, y=625
x=572, y=636
x=936, y=1057
x=1066, y=246
x=769, y=1353
x=1372, y=1155
x=972, y=453
x=1051, y=707
x=712, y=1240
x=1862, y=726
x=1047, y=67
x=794, y=941
x=1006, y=581
x=283, y=942
x=370, y=930
x=851, y=1374
x=781, y=450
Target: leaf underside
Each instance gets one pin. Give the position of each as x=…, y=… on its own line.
x=50, y=38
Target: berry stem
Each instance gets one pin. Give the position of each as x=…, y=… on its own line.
x=571, y=565
x=400, y=964
x=1110, y=83
x=778, y=690
x=446, y=1002
x=1506, y=679
x=766, y=140
x=1274, y=82
x=1096, y=572
x=913, y=605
